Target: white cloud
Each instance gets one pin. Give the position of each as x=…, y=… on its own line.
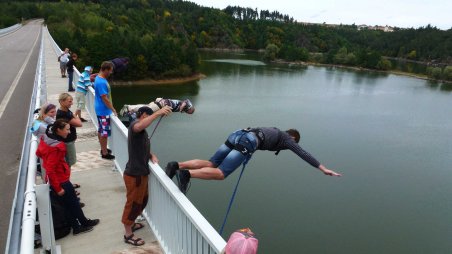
x=399, y=13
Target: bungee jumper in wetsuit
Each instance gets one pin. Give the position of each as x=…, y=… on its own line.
x=237, y=149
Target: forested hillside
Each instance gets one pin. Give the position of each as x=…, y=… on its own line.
x=161, y=37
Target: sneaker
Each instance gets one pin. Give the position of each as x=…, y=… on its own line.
x=108, y=157
x=82, y=229
x=92, y=223
x=171, y=168
x=183, y=180
x=83, y=120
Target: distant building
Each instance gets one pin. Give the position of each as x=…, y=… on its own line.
x=359, y=27
x=381, y=28
x=388, y=29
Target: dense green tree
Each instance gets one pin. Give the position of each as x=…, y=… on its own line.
x=434, y=72
x=447, y=73
x=271, y=51
x=100, y=30
x=384, y=64
x=341, y=56
x=411, y=55
x=293, y=53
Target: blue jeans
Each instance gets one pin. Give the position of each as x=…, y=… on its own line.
x=70, y=78
x=228, y=159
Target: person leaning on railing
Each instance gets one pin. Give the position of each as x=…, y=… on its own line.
x=52, y=150
x=80, y=92
x=137, y=170
x=103, y=106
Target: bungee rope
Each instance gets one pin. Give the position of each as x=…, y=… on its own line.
x=233, y=194
x=155, y=128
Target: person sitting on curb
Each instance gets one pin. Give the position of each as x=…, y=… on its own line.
x=52, y=150
x=237, y=149
x=183, y=106
x=47, y=114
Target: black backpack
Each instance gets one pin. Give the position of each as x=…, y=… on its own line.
x=61, y=226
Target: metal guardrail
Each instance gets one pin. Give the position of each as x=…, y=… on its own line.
x=23, y=215
x=10, y=29
x=175, y=221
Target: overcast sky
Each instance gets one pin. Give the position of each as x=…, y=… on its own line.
x=408, y=13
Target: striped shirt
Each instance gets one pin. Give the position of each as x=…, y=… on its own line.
x=83, y=82
x=276, y=140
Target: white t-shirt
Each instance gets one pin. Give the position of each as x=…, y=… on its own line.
x=64, y=57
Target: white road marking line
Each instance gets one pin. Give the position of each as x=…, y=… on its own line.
x=11, y=89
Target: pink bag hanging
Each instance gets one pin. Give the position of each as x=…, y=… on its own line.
x=242, y=241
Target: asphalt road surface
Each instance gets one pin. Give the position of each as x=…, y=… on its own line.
x=19, y=53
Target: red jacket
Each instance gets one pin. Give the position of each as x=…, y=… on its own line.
x=53, y=152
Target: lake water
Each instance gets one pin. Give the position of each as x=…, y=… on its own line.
x=390, y=136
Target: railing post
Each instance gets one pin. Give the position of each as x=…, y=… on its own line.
x=45, y=218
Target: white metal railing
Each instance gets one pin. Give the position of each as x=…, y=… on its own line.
x=175, y=221
x=10, y=29
x=21, y=233
x=37, y=196
x=29, y=214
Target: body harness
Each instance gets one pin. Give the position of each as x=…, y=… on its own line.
x=246, y=152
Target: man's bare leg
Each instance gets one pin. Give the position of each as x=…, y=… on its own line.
x=103, y=141
x=195, y=164
x=202, y=169
x=207, y=173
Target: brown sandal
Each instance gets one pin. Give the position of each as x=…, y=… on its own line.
x=133, y=241
x=136, y=226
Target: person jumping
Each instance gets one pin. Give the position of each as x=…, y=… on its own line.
x=237, y=149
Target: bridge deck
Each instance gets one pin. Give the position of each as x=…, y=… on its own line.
x=102, y=189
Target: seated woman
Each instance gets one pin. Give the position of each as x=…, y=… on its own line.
x=52, y=150
x=47, y=115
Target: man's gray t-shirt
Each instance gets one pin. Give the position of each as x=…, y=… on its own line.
x=276, y=140
x=139, y=149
